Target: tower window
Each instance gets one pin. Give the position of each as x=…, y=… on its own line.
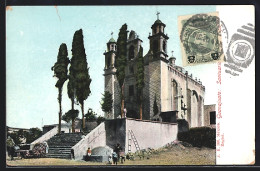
x=154, y=30
x=155, y=46
x=131, y=52
x=131, y=90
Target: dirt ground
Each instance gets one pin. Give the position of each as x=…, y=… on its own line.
x=176, y=155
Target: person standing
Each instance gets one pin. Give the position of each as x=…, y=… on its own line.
x=125, y=111
x=12, y=152
x=114, y=157
x=118, y=148
x=46, y=147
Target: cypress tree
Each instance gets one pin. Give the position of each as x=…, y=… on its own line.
x=107, y=102
x=82, y=79
x=140, y=80
x=120, y=62
x=60, y=69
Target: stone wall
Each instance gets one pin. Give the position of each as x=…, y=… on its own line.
x=149, y=134
x=95, y=138
x=154, y=85
x=109, y=133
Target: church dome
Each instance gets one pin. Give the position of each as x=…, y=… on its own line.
x=112, y=40
x=158, y=21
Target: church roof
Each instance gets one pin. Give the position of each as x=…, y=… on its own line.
x=112, y=40
x=157, y=21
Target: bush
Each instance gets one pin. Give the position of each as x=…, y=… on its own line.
x=198, y=137
x=39, y=150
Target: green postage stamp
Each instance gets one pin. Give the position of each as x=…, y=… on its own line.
x=200, y=37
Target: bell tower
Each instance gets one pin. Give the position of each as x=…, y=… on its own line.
x=109, y=74
x=110, y=54
x=158, y=40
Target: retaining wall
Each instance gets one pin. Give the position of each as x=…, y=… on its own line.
x=150, y=134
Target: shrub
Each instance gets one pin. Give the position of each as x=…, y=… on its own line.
x=198, y=137
x=39, y=150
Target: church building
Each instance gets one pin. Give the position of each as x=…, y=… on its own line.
x=177, y=95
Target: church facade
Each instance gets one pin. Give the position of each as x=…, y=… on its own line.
x=168, y=86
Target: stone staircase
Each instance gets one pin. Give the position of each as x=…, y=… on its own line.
x=60, y=145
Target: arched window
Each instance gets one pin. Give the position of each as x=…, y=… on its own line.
x=154, y=30
x=131, y=53
x=155, y=46
x=175, y=95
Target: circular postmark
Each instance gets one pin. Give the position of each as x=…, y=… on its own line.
x=241, y=48
x=201, y=38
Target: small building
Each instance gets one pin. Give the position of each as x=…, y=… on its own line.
x=47, y=128
x=210, y=114
x=12, y=129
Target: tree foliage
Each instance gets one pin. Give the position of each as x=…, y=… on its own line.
x=140, y=80
x=107, y=102
x=71, y=115
x=140, y=71
x=100, y=119
x=33, y=134
x=60, y=69
x=91, y=115
x=82, y=79
x=120, y=62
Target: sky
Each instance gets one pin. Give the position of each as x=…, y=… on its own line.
x=33, y=37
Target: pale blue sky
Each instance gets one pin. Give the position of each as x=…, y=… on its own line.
x=33, y=37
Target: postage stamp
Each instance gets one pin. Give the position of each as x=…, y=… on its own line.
x=200, y=36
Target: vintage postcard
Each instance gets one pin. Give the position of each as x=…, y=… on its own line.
x=126, y=86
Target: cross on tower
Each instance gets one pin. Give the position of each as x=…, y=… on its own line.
x=111, y=34
x=157, y=15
